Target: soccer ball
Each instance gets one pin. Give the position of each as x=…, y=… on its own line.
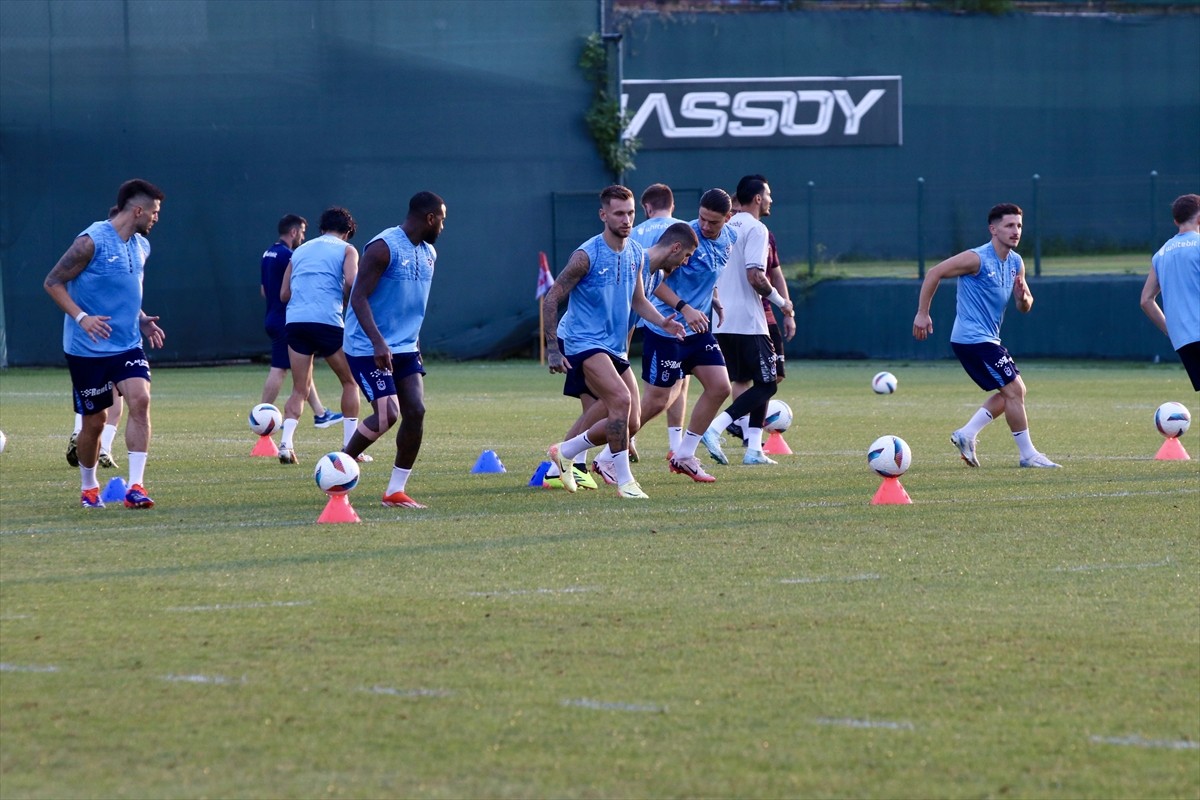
x=889, y=456
x=336, y=473
x=779, y=416
x=1172, y=420
x=265, y=419
x=884, y=383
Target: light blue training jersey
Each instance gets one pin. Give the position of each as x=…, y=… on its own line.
x=317, y=281
x=647, y=235
x=694, y=281
x=400, y=298
x=111, y=285
x=1177, y=265
x=597, y=315
x=983, y=296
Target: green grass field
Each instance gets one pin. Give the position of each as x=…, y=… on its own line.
x=1012, y=633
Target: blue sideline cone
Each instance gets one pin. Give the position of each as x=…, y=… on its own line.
x=539, y=475
x=115, y=490
x=488, y=462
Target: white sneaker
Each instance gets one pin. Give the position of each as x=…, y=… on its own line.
x=712, y=443
x=631, y=491
x=606, y=468
x=966, y=448
x=364, y=458
x=757, y=457
x=287, y=456
x=1039, y=460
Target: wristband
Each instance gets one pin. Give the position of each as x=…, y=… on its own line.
x=679, y=306
x=776, y=298
x=79, y=317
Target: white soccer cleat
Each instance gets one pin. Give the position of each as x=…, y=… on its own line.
x=757, y=457
x=1039, y=460
x=564, y=467
x=966, y=448
x=712, y=443
x=631, y=491
x=606, y=468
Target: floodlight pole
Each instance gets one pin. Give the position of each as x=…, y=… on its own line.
x=1037, y=228
x=921, y=228
x=1153, y=205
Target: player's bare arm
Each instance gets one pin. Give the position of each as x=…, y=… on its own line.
x=1021, y=292
x=568, y=279
x=149, y=327
x=757, y=276
x=1150, y=292
x=646, y=310
x=788, y=327
x=69, y=267
x=375, y=261
x=349, y=271
x=285, y=288
x=693, y=318
x=965, y=263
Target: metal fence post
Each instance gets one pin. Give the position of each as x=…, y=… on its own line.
x=1037, y=227
x=1153, y=206
x=921, y=228
x=812, y=261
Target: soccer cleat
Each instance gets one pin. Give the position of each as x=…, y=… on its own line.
x=1039, y=460
x=757, y=457
x=400, y=500
x=326, y=419
x=631, y=491
x=691, y=467
x=136, y=497
x=733, y=429
x=606, y=468
x=633, y=453
x=564, y=466
x=553, y=482
x=106, y=460
x=90, y=498
x=287, y=456
x=582, y=478
x=712, y=443
x=364, y=458
x=73, y=453
x=966, y=448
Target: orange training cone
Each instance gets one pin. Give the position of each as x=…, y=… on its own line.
x=1172, y=450
x=338, y=509
x=265, y=448
x=891, y=493
x=775, y=445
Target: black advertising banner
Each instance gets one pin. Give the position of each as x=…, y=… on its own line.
x=764, y=112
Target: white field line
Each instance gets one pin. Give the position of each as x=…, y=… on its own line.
x=241, y=606
x=866, y=576
x=26, y=668
x=1138, y=741
x=599, y=705
x=520, y=592
x=215, y=680
x=10, y=617
x=846, y=722
x=1166, y=562
x=419, y=692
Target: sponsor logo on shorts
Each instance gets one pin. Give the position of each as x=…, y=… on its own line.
x=671, y=364
x=138, y=362
x=95, y=391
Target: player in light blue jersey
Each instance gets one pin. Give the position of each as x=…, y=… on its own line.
x=98, y=285
x=383, y=328
x=602, y=280
x=315, y=286
x=987, y=276
x=1175, y=273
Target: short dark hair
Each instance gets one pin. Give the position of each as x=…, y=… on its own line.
x=336, y=219
x=658, y=196
x=290, y=221
x=679, y=232
x=749, y=187
x=615, y=192
x=716, y=200
x=1185, y=207
x=137, y=188
x=423, y=203
x=1003, y=210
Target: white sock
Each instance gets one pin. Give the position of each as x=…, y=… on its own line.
x=87, y=477
x=1024, y=443
x=78, y=424
x=977, y=423
x=106, y=437
x=572, y=447
x=137, y=468
x=605, y=455
x=349, y=426
x=581, y=460
x=399, y=480
x=624, y=473
x=289, y=430
x=674, y=437
x=722, y=422
x=753, y=438
x=687, y=445
x=743, y=422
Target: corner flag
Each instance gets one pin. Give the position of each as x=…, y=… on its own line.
x=545, y=279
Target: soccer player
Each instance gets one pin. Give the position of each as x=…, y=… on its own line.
x=666, y=361
x=383, y=327
x=742, y=332
x=98, y=285
x=1175, y=272
x=987, y=276
x=602, y=281
x=315, y=286
x=275, y=260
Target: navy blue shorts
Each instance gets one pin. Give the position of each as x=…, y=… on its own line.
x=92, y=377
x=750, y=357
x=665, y=359
x=575, y=384
x=314, y=338
x=279, y=348
x=375, y=382
x=1189, y=354
x=988, y=364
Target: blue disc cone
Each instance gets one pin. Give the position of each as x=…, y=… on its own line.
x=488, y=462
x=539, y=475
x=115, y=490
